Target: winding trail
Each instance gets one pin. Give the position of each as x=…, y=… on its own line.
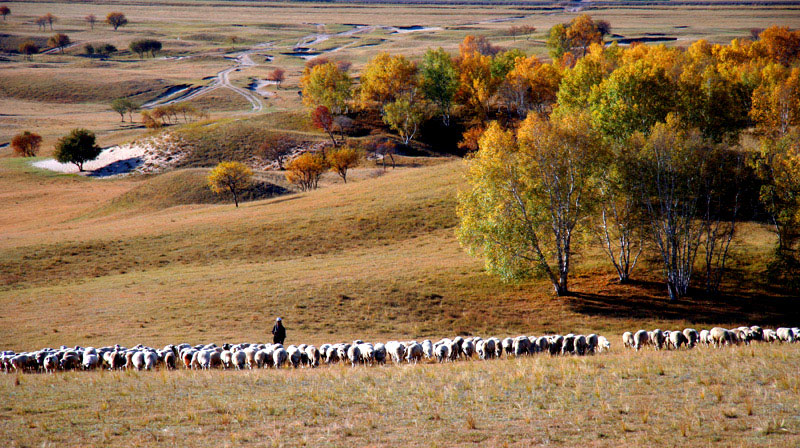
x=222, y=80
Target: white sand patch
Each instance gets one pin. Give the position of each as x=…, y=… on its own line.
x=150, y=155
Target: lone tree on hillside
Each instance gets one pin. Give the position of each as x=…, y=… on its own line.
x=116, y=19
x=26, y=144
x=4, y=10
x=341, y=160
x=230, y=176
x=77, y=147
x=28, y=48
x=91, y=19
x=277, y=76
x=59, y=41
x=142, y=46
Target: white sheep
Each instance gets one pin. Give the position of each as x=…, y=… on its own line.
x=640, y=338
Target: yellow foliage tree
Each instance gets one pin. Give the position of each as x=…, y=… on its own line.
x=230, y=177
x=305, y=170
x=385, y=78
x=326, y=85
x=341, y=160
x=776, y=102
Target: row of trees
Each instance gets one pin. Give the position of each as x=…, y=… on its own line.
x=114, y=19
x=303, y=171
x=641, y=151
x=171, y=114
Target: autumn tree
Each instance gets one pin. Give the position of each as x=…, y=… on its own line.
x=386, y=78
x=633, y=98
x=404, y=115
x=50, y=19
x=341, y=160
x=28, y=48
x=231, y=177
x=120, y=106
x=781, y=44
x=439, y=81
x=277, y=76
x=305, y=170
x=326, y=85
x=477, y=86
x=776, y=102
x=322, y=119
x=59, y=41
x=579, y=34
x=528, y=195
x=577, y=82
x=4, y=11
x=91, y=19
x=26, y=144
x=667, y=175
x=116, y=20
x=530, y=85
x=77, y=147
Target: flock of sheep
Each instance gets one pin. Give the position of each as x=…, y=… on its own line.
x=250, y=356
x=716, y=336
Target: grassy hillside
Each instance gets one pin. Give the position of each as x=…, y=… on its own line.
x=376, y=257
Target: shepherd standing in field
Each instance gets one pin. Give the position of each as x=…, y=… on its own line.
x=278, y=332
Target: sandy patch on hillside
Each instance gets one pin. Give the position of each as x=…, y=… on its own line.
x=151, y=155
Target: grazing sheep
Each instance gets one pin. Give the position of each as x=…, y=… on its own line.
x=442, y=352
x=331, y=355
x=591, y=343
x=542, y=344
x=239, y=359
x=150, y=360
x=692, y=337
x=50, y=363
x=468, y=349
x=640, y=338
x=90, y=361
x=677, y=338
x=137, y=360
x=719, y=336
x=227, y=358
x=508, y=345
x=568, y=344
x=354, y=354
x=396, y=350
x=705, y=337
x=581, y=346
x=556, y=344
x=380, y=353
x=520, y=346
x=414, y=353
x=770, y=335
x=250, y=357
x=427, y=349
x=657, y=338
x=279, y=357
x=312, y=356
x=785, y=334
x=295, y=356
x=627, y=339
x=169, y=360
x=603, y=345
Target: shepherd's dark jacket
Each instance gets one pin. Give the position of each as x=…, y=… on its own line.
x=278, y=333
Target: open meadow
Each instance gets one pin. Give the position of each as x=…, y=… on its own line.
x=156, y=258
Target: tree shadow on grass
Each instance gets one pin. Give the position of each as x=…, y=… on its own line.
x=647, y=300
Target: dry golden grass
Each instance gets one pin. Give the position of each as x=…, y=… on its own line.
x=740, y=396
